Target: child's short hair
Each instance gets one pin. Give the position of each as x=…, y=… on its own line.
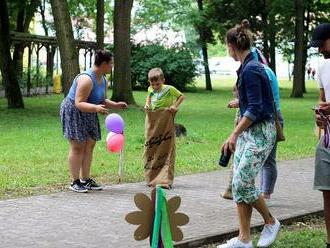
x=155, y=74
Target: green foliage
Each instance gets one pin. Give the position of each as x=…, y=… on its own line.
x=20, y=12
x=178, y=15
x=176, y=62
x=217, y=50
x=38, y=79
x=83, y=13
x=168, y=13
x=228, y=13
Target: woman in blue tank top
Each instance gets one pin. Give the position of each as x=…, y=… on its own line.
x=86, y=98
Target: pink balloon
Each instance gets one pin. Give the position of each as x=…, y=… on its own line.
x=116, y=143
x=109, y=135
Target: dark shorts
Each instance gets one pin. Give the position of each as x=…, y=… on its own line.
x=79, y=125
x=322, y=167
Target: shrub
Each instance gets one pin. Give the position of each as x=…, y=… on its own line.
x=176, y=63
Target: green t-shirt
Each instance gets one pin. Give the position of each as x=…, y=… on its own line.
x=163, y=98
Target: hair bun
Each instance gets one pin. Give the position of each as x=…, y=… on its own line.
x=241, y=34
x=245, y=24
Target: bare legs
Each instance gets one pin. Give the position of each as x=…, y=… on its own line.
x=80, y=158
x=244, y=215
x=88, y=156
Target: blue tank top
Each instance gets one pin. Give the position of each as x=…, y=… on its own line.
x=97, y=95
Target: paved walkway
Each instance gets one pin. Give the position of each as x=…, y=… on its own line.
x=97, y=219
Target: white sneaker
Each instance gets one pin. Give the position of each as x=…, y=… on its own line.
x=235, y=243
x=268, y=234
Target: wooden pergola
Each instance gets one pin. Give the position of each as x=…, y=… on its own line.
x=37, y=42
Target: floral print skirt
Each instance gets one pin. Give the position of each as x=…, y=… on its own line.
x=78, y=125
x=252, y=149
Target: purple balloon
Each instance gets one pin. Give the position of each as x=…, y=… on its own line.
x=114, y=123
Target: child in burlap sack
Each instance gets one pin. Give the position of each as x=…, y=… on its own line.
x=161, y=105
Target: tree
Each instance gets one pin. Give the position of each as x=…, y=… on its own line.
x=25, y=12
x=260, y=15
x=178, y=15
x=49, y=49
x=122, y=88
x=88, y=14
x=67, y=46
x=298, y=69
x=205, y=35
x=287, y=50
x=8, y=71
x=170, y=13
x=100, y=24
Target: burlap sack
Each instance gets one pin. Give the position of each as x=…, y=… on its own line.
x=159, y=148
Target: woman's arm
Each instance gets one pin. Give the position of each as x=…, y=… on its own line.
x=253, y=92
x=252, y=87
x=111, y=104
x=244, y=123
x=84, y=88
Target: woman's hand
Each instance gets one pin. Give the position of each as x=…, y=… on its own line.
x=233, y=103
x=320, y=122
x=324, y=107
x=121, y=105
x=101, y=109
x=224, y=148
x=231, y=142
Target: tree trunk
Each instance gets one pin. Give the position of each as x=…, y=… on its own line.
x=306, y=32
x=43, y=16
x=50, y=65
x=206, y=68
x=50, y=49
x=8, y=72
x=67, y=46
x=298, y=69
x=19, y=48
x=203, y=43
x=100, y=24
x=23, y=20
x=122, y=88
x=289, y=70
x=18, y=60
x=265, y=37
x=272, y=42
x=304, y=67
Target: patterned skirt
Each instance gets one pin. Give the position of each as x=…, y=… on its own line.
x=78, y=125
x=252, y=149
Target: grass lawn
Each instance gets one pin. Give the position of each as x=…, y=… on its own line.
x=309, y=233
x=33, y=155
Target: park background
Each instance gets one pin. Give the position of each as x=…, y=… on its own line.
x=47, y=42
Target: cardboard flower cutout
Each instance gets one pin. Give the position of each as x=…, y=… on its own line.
x=145, y=218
